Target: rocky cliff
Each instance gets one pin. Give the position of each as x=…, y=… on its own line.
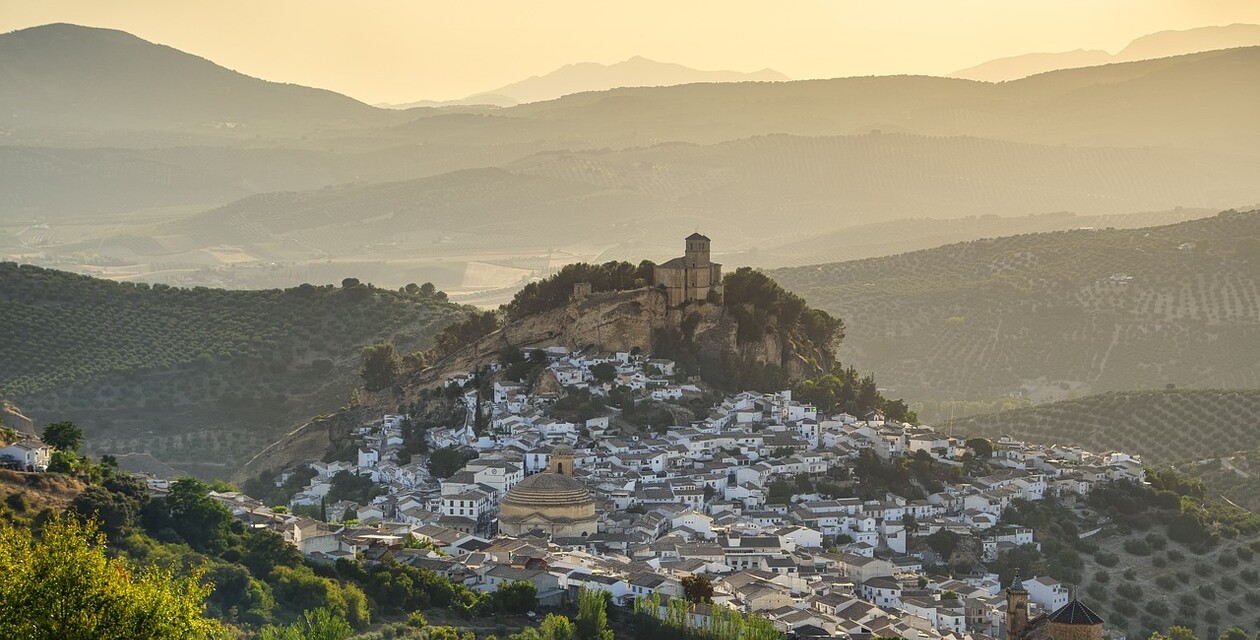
x=606, y=322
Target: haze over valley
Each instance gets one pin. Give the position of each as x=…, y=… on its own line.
x=492, y=321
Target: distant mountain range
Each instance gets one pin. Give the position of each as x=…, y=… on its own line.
x=593, y=76
x=1155, y=45
x=70, y=76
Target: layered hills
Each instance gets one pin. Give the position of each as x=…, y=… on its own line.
x=200, y=378
x=72, y=77
x=593, y=76
x=1156, y=45
x=1050, y=316
x=1164, y=426
x=482, y=200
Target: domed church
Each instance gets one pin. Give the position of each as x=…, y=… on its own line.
x=1072, y=621
x=551, y=502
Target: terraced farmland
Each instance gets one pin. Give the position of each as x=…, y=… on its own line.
x=1051, y=316
x=1162, y=426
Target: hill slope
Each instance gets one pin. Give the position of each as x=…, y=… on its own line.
x=1154, y=45
x=1161, y=426
x=635, y=72
x=1045, y=315
x=69, y=76
x=191, y=375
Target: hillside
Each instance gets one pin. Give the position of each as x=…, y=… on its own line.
x=1162, y=426
x=1154, y=45
x=1054, y=315
x=69, y=76
x=1234, y=476
x=1190, y=101
x=192, y=376
x=636, y=202
x=634, y=72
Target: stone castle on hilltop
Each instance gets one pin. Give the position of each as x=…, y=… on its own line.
x=692, y=277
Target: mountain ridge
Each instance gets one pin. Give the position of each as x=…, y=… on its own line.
x=1160, y=44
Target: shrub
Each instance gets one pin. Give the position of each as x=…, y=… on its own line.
x=1137, y=547
x=1159, y=562
x=1252, y=598
x=1130, y=574
x=1235, y=608
x=1183, y=577
x=1228, y=583
x=1212, y=616
x=1102, y=576
x=1157, y=608
x=1226, y=559
x=1245, y=554
x=1097, y=592
x=1125, y=607
x=1203, y=569
x=1106, y=558
x=1156, y=541
x=1165, y=582
x=1207, y=592
x=1250, y=575
x=1129, y=591
x=1175, y=556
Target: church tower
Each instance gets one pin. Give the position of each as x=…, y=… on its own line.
x=1016, y=610
x=697, y=254
x=561, y=460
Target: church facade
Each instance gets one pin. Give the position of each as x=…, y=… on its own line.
x=693, y=277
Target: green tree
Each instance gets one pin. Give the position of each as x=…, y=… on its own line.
x=592, y=618
x=444, y=462
x=516, y=597
x=556, y=627
x=64, y=585
x=196, y=517
x=381, y=366
x=698, y=588
x=1235, y=633
x=982, y=446
x=8, y=436
x=319, y=624
x=63, y=436
x=604, y=371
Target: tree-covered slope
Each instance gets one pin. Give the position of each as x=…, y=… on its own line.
x=202, y=375
x=1162, y=426
x=1053, y=315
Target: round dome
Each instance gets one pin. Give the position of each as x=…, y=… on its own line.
x=542, y=489
x=552, y=503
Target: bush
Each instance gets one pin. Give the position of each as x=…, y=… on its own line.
x=1229, y=584
x=1157, y=608
x=1159, y=562
x=1203, y=569
x=1106, y=558
x=1130, y=574
x=1250, y=575
x=1207, y=592
x=1102, y=576
x=1129, y=591
x=1165, y=582
x=1226, y=559
x=1137, y=547
x=1097, y=592
x=1245, y=554
x=1125, y=607
x=1234, y=608
x=1175, y=556
x=1156, y=541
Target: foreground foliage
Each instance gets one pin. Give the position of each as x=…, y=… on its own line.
x=64, y=585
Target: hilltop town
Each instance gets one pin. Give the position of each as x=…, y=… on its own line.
x=746, y=497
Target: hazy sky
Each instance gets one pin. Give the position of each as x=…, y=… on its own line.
x=406, y=50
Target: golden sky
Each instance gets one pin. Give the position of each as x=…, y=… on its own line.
x=406, y=50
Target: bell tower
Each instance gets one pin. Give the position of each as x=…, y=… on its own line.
x=561, y=460
x=1016, y=610
x=697, y=254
